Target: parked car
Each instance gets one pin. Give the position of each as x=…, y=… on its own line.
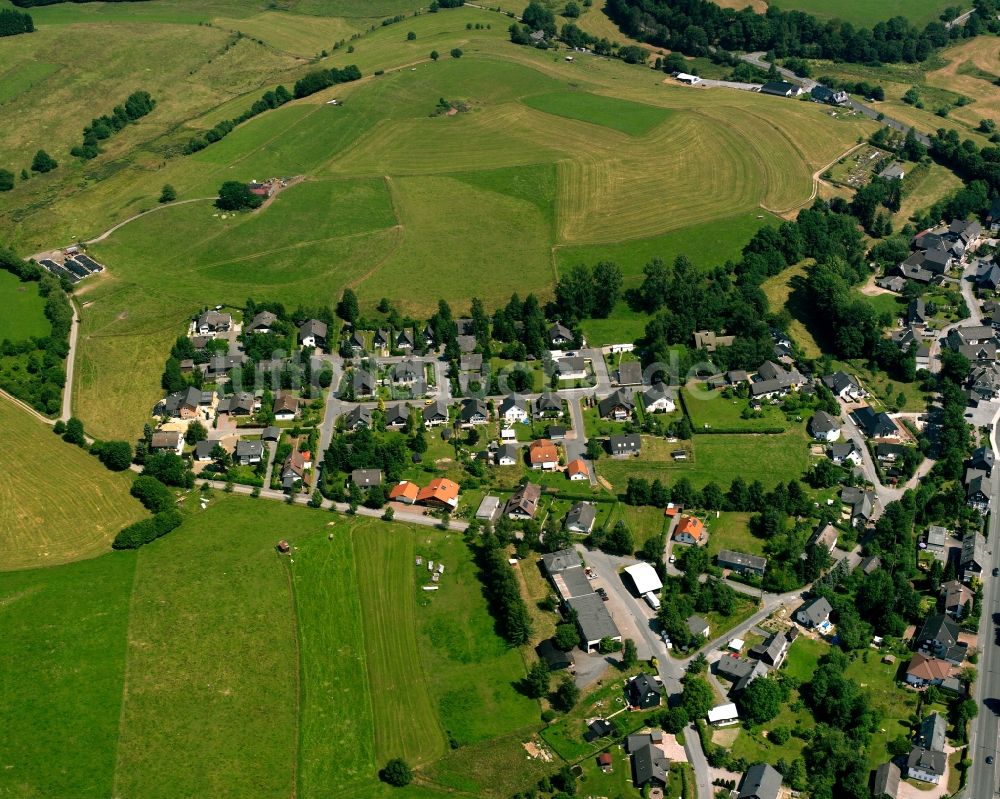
x=603, y=594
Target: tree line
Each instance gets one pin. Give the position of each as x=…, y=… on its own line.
x=14, y=22
x=320, y=79
x=507, y=605
x=694, y=27
x=270, y=99
x=136, y=106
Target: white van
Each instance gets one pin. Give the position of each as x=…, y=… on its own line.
x=652, y=600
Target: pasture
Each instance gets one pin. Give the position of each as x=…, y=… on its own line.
x=858, y=12
x=300, y=675
x=633, y=119
x=60, y=504
x=23, y=309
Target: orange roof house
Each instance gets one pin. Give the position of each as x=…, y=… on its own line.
x=690, y=530
x=404, y=491
x=577, y=470
x=543, y=454
x=439, y=493
x=926, y=670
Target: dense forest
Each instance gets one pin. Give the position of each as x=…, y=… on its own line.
x=694, y=26
x=15, y=22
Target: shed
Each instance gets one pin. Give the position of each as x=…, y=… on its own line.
x=644, y=577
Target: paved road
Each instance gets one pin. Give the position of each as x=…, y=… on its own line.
x=884, y=494
x=67, y=397
x=758, y=60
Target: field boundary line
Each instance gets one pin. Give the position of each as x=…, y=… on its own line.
x=125, y=672
x=296, y=761
x=26, y=407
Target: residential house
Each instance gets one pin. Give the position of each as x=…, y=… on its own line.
x=993, y=216
x=772, y=650
x=559, y=335
x=972, y=335
x=396, y=416
x=984, y=382
x=973, y=558
x=548, y=404
x=824, y=427
x=286, y=406
x=363, y=383
x=844, y=386
x=978, y=490
x=581, y=517
x=886, y=784
x=742, y=563
x=966, y=231
x=822, y=94
x=780, y=88
x=709, y=340
x=358, y=417
x=514, y=409
x=467, y=344
x=407, y=373
x=203, y=450
x=261, y=323
x=574, y=368
x=643, y=692
x=211, y=322
x=473, y=412
x=814, y=612
x=577, y=469
x=366, y=478
x=916, y=312
x=698, y=627
x=860, y=504
x=659, y=398
x=926, y=765
x=936, y=541
x=181, y=404
x=249, y=452
x=875, y=425
x=166, y=441
x=825, y=537
x=761, y=781
x=489, y=510
x=381, y=339
x=436, y=413
x=936, y=262
x=473, y=362
x=895, y=171
x=507, y=455
x=543, y=454
x=649, y=763
x=924, y=670
x=242, y=404
x=844, y=453
x=404, y=491
x=740, y=671
x=357, y=341
x=869, y=564
x=558, y=660
x=404, y=340
x=690, y=530
x=939, y=637
x=294, y=468
x=623, y=446
x=894, y=283
x=983, y=459
x=773, y=380
x=312, y=333
x=428, y=335
x=931, y=734
x=988, y=276
x=440, y=493
x=523, y=503
x=617, y=406
x=630, y=373
x=958, y=598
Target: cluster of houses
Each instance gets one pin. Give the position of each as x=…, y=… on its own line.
x=935, y=252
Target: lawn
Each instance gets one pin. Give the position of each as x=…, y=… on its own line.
x=633, y=119
x=716, y=458
x=709, y=410
x=784, y=292
x=23, y=309
x=803, y=657
x=730, y=531
x=63, y=661
x=212, y=658
x=45, y=520
x=896, y=704
x=864, y=12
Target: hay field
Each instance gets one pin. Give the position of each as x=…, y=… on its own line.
x=60, y=504
x=858, y=12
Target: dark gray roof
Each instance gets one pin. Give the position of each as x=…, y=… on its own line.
x=728, y=557
x=313, y=327
x=473, y=408
x=886, y=781
x=649, y=765
x=940, y=629
x=249, y=450
x=823, y=423
x=760, y=782
x=697, y=625
x=927, y=760
x=358, y=415
x=874, y=425
x=593, y=618
x=618, y=399
x=366, y=477
x=816, y=610
x=582, y=515
x=630, y=373
x=556, y=562
x=622, y=445
x=932, y=732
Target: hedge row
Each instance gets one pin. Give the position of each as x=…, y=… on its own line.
x=142, y=532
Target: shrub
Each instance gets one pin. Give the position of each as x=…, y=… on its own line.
x=396, y=773
x=153, y=494
x=115, y=455
x=43, y=162
x=135, y=535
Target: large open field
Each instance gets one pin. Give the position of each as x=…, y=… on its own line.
x=858, y=12
x=23, y=307
x=570, y=162
x=206, y=664
x=59, y=503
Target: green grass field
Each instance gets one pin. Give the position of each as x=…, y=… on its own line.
x=730, y=531
x=60, y=504
x=859, y=12
x=630, y=118
x=23, y=315
x=716, y=458
x=717, y=412
x=300, y=675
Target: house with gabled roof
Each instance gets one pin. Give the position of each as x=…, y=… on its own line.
x=643, y=692
x=548, y=404
x=474, y=412
x=925, y=669
x=523, y=503
x=577, y=469
x=261, y=323
x=211, y=322
x=359, y=416
x=926, y=765
x=886, y=784
x=618, y=406
x=973, y=558
x=581, y=517
x=957, y=598
x=875, y=424
x=659, y=398
x=436, y=413
x=543, y=454
x=559, y=335
x=513, y=409
x=761, y=781
x=824, y=427
x=625, y=445
x=312, y=333
x=741, y=562
x=814, y=612
x=439, y=493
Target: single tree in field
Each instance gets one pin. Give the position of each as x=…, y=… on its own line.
x=6, y=180
x=411, y=36
x=456, y=53
x=347, y=308
x=43, y=162
x=397, y=773
x=169, y=194
x=236, y=196
x=434, y=55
